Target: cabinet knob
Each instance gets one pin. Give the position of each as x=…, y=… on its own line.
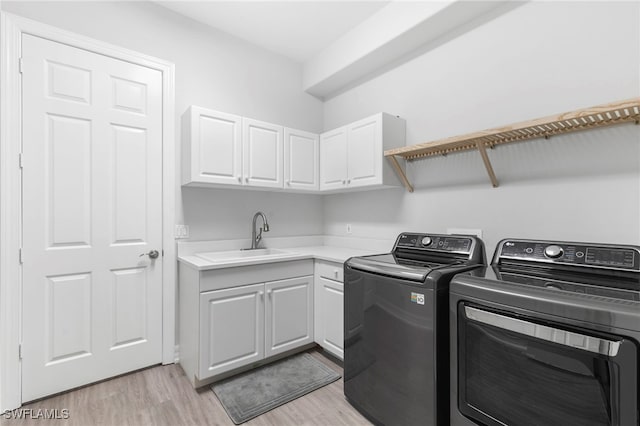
x=239, y=179
x=344, y=182
x=348, y=181
x=246, y=179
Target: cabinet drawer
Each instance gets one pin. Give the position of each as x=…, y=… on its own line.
x=330, y=270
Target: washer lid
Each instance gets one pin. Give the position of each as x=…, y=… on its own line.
x=397, y=267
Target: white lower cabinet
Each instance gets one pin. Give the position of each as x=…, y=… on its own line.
x=288, y=314
x=235, y=317
x=329, y=307
x=231, y=329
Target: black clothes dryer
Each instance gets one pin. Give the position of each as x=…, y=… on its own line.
x=548, y=335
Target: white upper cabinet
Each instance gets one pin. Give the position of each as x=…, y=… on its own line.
x=262, y=145
x=301, y=160
x=352, y=156
x=364, y=152
x=212, y=147
x=333, y=159
x=221, y=149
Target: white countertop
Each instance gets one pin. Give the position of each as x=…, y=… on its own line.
x=332, y=254
x=322, y=252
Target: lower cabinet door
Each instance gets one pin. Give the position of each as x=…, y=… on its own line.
x=331, y=318
x=289, y=314
x=231, y=329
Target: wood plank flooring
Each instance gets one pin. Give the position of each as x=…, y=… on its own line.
x=162, y=395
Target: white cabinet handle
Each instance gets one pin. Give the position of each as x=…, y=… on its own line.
x=239, y=179
x=261, y=295
x=246, y=179
x=269, y=293
x=344, y=182
x=348, y=181
x=288, y=183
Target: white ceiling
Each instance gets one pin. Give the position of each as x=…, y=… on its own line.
x=295, y=29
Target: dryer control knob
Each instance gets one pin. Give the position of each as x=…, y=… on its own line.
x=426, y=241
x=553, y=251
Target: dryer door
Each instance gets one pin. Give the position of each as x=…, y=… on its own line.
x=515, y=370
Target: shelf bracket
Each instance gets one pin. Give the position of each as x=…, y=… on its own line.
x=487, y=163
x=400, y=172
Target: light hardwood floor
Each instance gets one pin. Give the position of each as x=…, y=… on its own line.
x=162, y=396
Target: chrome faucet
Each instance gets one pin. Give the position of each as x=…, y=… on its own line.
x=255, y=239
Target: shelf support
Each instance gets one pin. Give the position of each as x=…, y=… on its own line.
x=487, y=163
x=400, y=172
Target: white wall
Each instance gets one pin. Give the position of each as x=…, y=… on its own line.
x=227, y=214
x=539, y=59
x=213, y=70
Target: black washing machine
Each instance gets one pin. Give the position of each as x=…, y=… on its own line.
x=548, y=335
x=396, y=327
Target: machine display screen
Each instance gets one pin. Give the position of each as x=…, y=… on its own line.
x=610, y=257
x=456, y=244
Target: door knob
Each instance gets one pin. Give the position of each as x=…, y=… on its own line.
x=153, y=254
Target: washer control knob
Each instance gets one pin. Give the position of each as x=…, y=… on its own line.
x=553, y=251
x=426, y=241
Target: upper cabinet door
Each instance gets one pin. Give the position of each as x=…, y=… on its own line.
x=333, y=159
x=262, y=153
x=301, y=160
x=212, y=147
x=364, y=152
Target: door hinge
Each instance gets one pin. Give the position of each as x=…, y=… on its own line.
x=20, y=161
x=20, y=65
x=20, y=255
x=20, y=351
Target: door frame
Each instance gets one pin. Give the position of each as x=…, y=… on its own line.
x=12, y=27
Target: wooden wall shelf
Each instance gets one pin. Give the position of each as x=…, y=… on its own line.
x=583, y=119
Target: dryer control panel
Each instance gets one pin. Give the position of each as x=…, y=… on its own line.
x=567, y=253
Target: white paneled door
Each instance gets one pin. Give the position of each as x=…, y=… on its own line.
x=92, y=204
